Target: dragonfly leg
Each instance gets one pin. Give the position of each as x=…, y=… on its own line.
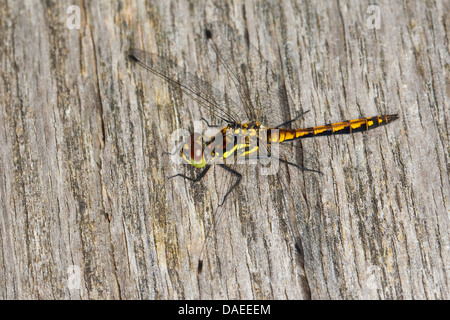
x=237, y=174
x=170, y=153
x=300, y=167
x=198, y=178
x=292, y=120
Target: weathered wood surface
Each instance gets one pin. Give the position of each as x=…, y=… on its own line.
x=83, y=182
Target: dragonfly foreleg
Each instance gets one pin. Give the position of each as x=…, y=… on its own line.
x=198, y=178
x=292, y=120
x=237, y=174
x=170, y=153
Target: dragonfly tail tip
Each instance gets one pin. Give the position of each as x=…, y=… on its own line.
x=393, y=117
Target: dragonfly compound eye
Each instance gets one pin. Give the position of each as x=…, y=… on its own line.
x=192, y=150
x=196, y=152
x=196, y=147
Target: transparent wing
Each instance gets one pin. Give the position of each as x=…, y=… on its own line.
x=200, y=90
x=261, y=89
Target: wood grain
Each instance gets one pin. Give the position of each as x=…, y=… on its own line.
x=83, y=183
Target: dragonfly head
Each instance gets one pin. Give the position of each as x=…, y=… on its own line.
x=192, y=151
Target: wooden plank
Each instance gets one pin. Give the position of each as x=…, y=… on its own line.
x=83, y=188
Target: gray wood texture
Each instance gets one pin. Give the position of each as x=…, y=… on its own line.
x=87, y=211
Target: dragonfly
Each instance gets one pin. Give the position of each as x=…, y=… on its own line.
x=262, y=97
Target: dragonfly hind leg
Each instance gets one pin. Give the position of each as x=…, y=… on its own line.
x=292, y=120
x=300, y=167
x=237, y=174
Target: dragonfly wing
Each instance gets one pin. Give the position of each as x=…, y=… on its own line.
x=208, y=97
x=261, y=89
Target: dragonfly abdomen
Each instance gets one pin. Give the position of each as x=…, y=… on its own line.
x=345, y=127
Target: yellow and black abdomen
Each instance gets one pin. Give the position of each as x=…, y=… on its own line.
x=345, y=127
